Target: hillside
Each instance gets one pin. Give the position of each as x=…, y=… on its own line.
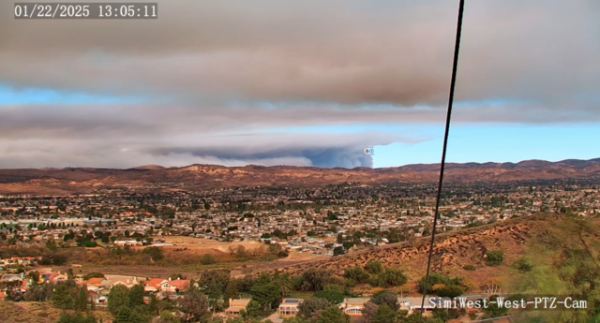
x=59, y=181
x=452, y=251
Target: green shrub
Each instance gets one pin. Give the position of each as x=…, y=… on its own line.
x=374, y=267
x=208, y=259
x=332, y=296
x=435, y=279
x=494, y=257
x=450, y=291
x=386, y=298
x=357, y=274
x=469, y=268
x=93, y=275
x=524, y=264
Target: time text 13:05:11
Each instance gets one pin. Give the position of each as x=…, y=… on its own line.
x=86, y=10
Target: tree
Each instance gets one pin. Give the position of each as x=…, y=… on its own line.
x=450, y=291
x=168, y=317
x=374, y=267
x=332, y=314
x=153, y=305
x=194, y=305
x=285, y=283
x=266, y=292
x=315, y=279
x=217, y=279
x=296, y=319
x=386, y=298
x=369, y=313
x=93, y=275
x=331, y=296
x=385, y=315
x=441, y=314
x=136, y=295
x=34, y=276
x=252, y=311
x=122, y=314
x=494, y=309
x=70, y=274
x=356, y=274
x=438, y=279
x=117, y=297
x=63, y=298
x=82, y=300
x=155, y=253
x=310, y=306
x=39, y=293
x=139, y=314
x=77, y=318
x=232, y=290
x=390, y=277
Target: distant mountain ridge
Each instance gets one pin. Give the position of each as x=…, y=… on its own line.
x=84, y=179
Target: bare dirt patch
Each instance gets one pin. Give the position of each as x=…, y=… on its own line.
x=200, y=246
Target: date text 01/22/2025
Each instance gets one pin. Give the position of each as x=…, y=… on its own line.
x=86, y=10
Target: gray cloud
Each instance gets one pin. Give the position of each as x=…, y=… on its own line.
x=129, y=136
x=339, y=51
x=321, y=63
x=162, y=122
x=322, y=150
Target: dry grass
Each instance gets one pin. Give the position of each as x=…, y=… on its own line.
x=34, y=312
x=200, y=246
x=452, y=252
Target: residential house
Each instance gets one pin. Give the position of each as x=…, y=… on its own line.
x=12, y=277
x=289, y=306
x=55, y=277
x=354, y=306
x=128, y=281
x=153, y=285
x=95, y=284
x=236, y=306
x=174, y=286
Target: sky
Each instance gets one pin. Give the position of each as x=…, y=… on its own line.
x=302, y=83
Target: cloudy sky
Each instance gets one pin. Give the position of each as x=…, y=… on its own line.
x=305, y=83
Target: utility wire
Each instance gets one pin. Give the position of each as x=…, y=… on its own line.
x=461, y=7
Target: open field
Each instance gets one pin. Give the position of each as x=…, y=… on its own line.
x=200, y=246
x=194, y=270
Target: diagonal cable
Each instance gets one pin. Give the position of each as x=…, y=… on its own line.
x=445, y=146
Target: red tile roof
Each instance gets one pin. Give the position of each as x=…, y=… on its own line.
x=179, y=284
